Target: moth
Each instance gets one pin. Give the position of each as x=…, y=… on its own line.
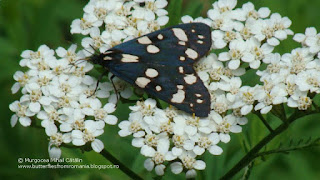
x=161, y=63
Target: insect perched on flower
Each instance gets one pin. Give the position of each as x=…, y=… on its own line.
x=161, y=64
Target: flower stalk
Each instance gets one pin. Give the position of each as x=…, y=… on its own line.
x=254, y=152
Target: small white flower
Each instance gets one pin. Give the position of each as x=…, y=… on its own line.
x=188, y=162
x=22, y=115
x=89, y=134
x=268, y=97
x=236, y=53
x=245, y=99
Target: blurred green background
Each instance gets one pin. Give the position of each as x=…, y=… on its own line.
x=26, y=24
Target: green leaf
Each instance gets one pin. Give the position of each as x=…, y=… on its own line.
x=193, y=9
x=174, y=9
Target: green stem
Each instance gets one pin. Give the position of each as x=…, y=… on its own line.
x=263, y=120
x=315, y=106
x=286, y=150
x=122, y=166
x=251, y=155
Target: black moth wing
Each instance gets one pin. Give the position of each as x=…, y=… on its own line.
x=161, y=64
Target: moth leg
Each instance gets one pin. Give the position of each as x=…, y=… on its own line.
x=99, y=80
x=114, y=87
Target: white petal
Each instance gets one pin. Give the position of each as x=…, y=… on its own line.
x=234, y=64
x=77, y=134
x=198, y=150
x=224, y=137
x=224, y=56
x=137, y=142
x=188, y=145
x=148, y=164
x=65, y=127
x=264, y=12
x=15, y=88
x=169, y=156
x=44, y=100
x=255, y=64
x=25, y=121
x=280, y=35
x=176, y=167
x=176, y=151
x=266, y=109
x=160, y=169
x=109, y=107
x=299, y=37
x=54, y=152
x=97, y=145
x=124, y=124
x=78, y=142
x=219, y=44
x=235, y=129
x=61, y=52
x=147, y=151
x=215, y=150
x=51, y=129
x=34, y=107
x=13, y=120
x=163, y=20
x=200, y=165
x=191, y=174
x=273, y=41
x=246, y=109
x=186, y=19
x=124, y=133
x=111, y=119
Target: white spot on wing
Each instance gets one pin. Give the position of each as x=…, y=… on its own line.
x=191, y=104
x=180, y=34
x=193, y=30
x=200, y=36
x=153, y=49
x=108, y=52
x=160, y=36
x=107, y=58
x=200, y=42
x=128, y=58
x=182, y=43
x=180, y=86
x=191, y=53
x=198, y=95
x=178, y=97
x=181, y=70
x=151, y=73
x=190, y=79
x=199, y=101
x=144, y=40
x=182, y=58
x=158, y=88
x=142, y=82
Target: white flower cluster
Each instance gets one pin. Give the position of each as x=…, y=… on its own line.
x=249, y=36
x=110, y=22
x=294, y=77
x=172, y=135
x=62, y=97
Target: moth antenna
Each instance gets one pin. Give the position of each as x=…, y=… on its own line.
x=114, y=87
x=95, y=50
x=99, y=80
x=89, y=51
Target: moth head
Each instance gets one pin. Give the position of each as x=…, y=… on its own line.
x=101, y=58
